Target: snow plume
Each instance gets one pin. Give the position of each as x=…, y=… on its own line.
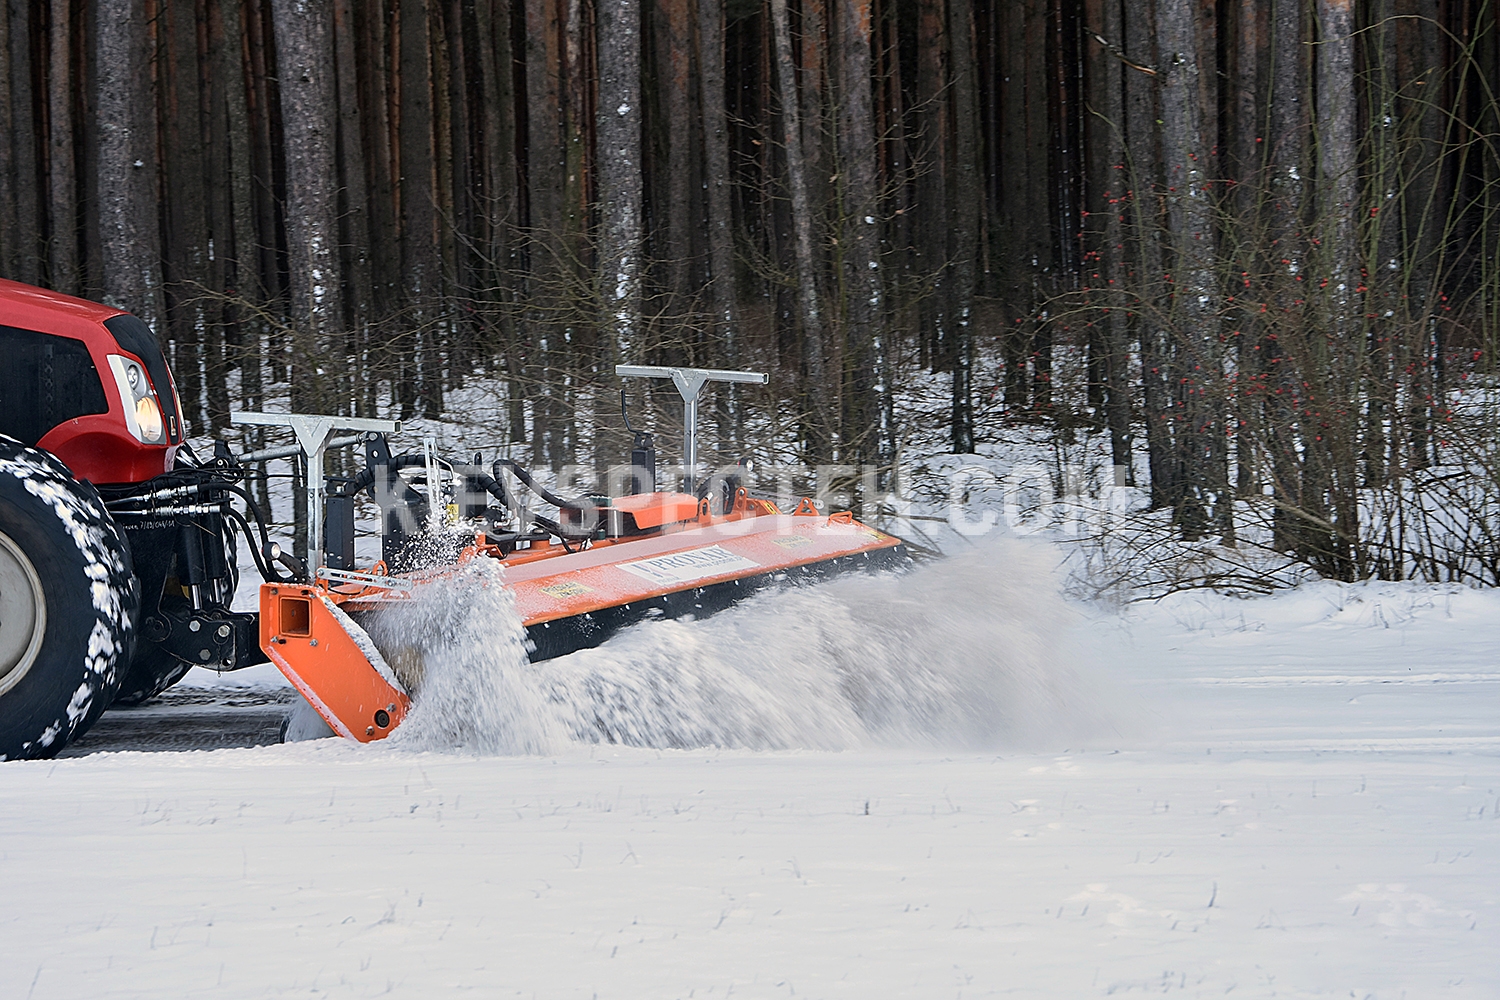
x=969, y=652
x=966, y=652
x=459, y=647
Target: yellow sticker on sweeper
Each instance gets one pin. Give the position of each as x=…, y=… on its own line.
x=567, y=588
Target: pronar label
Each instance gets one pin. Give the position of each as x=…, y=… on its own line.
x=791, y=541
x=567, y=588
x=685, y=567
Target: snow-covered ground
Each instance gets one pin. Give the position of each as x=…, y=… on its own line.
x=1290, y=796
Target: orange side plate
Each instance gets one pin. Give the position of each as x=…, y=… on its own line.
x=331, y=661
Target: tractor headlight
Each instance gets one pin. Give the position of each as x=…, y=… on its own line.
x=148, y=419
x=142, y=412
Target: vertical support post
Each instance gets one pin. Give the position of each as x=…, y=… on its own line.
x=689, y=444
x=435, y=507
x=315, y=473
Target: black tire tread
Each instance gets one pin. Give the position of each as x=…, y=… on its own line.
x=92, y=598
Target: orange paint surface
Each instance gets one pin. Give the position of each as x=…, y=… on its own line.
x=308, y=643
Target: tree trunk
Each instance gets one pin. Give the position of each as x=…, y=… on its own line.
x=27, y=249
x=304, y=55
x=62, y=179
x=1191, y=229
x=934, y=163
x=618, y=134
x=967, y=203
x=578, y=76
x=546, y=171
x=421, y=389
x=1038, y=231
x=674, y=37
x=355, y=260
x=1287, y=128
x=185, y=235
x=220, y=210
x=379, y=97
x=1149, y=311
x=242, y=327
x=497, y=147
x=127, y=161
x=440, y=153
x=1010, y=214
x=8, y=228
x=441, y=354
x=865, y=433
x=813, y=55
x=1106, y=155
x=1289, y=134
x=896, y=144
x=244, y=249
x=723, y=298
x=259, y=97
x=1248, y=84
x=580, y=334
x=498, y=154
x=1338, y=193
x=818, y=385
x=1381, y=238
x=1426, y=212
x=458, y=183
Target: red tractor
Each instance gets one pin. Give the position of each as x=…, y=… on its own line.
x=117, y=547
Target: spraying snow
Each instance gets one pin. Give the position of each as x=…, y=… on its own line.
x=459, y=646
x=968, y=652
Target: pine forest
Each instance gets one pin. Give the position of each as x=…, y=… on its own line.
x=1250, y=247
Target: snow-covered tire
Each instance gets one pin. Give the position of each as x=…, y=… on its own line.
x=68, y=601
x=152, y=673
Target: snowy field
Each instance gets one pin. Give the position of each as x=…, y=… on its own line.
x=1293, y=796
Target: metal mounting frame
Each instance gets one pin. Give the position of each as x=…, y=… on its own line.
x=314, y=435
x=690, y=382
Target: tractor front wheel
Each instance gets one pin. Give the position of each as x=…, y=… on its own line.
x=68, y=600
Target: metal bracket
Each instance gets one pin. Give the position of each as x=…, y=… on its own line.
x=690, y=382
x=367, y=579
x=435, y=507
x=215, y=638
x=287, y=451
x=314, y=435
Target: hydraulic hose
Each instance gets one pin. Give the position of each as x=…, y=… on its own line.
x=266, y=572
x=365, y=480
x=533, y=485
x=494, y=487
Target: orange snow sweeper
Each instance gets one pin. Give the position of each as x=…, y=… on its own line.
x=579, y=574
